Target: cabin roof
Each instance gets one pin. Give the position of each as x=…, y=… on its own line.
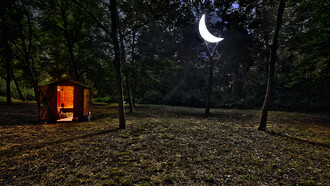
x=70, y=82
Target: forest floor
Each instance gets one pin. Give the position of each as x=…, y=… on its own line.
x=164, y=145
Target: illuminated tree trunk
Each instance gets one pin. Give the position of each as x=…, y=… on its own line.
x=272, y=60
x=119, y=82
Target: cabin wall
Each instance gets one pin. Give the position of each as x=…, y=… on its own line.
x=87, y=102
x=78, y=102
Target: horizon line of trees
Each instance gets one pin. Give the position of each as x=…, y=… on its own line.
x=151, y=52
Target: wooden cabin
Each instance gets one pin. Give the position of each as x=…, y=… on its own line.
x=65, y=100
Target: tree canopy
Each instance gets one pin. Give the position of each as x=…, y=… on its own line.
x=163, y=57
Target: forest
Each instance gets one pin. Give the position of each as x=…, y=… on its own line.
x=163, y=57
x=146, y=60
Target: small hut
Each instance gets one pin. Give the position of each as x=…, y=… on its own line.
x=65, y=100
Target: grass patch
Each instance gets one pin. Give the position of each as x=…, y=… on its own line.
x=164, y=145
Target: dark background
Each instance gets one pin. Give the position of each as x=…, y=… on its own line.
x=166, y=60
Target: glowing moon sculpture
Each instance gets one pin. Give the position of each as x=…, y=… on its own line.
x=206, y=35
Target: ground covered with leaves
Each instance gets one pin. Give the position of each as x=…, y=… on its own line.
x=165, y=145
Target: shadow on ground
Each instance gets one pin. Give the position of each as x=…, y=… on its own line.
x=18, y=113
x=297, y=139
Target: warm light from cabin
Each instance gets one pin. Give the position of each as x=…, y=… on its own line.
x=65, y=102
x=65, y=96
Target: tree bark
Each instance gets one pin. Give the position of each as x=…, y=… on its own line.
x=211, y=68
x=69, y=43
x=119, y=83
x=272, y=60
x=8, y=69
x=114, y=35
x=17, y=87
x=209, y=87
x=130, y=103
x=133, y=70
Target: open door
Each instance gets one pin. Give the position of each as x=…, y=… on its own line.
x=65, y=100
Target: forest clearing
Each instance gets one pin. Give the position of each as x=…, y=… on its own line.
x=165, y=145
x=148, y=92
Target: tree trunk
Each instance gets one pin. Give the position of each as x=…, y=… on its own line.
x=209, y=87
x=211, y=68
x=272, y=60
x=17, y=87
x=234, y=85
x=130, y=103
x=69, y=44
x=8, y=69
x=36, y=92
x=113, y=34
x=133, y=70
x=267, y=56
x=119, y=83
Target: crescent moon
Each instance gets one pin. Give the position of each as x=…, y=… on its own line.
x=206, y=35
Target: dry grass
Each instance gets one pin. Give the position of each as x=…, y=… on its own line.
x=166, y=145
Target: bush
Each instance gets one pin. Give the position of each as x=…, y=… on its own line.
x=107, y=99
x=29, y=97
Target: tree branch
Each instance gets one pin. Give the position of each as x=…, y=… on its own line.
x=93, y=16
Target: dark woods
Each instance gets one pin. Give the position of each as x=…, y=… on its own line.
x=151, y=51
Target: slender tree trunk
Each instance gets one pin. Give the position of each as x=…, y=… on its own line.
x=114, y=36
x=73, y=61
x=69, y=44
x=209, y=87
x=267, y=56
x=8, y=69
x=211, y=68
x=133, y=70
x=74, y=64
x=17, y=87
x=272, y=60
x=36, y=93
x=234, y=85
x=130, y=103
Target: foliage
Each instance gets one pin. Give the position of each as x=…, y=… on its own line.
x=167, y=63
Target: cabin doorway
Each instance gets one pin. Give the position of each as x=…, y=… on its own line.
x=65, y=103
